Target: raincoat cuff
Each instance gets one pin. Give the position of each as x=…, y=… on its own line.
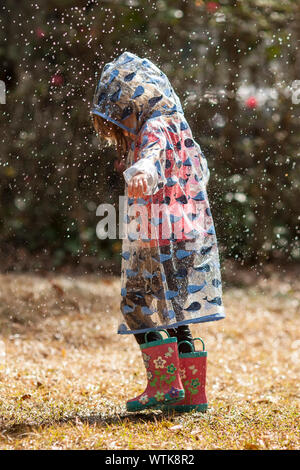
x=146, y=167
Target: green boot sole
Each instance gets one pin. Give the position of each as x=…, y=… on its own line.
x=153, y=403
x=185, y=408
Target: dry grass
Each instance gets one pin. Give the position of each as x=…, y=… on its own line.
x=67, y=373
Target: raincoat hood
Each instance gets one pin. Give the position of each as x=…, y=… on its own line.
x=130, y=84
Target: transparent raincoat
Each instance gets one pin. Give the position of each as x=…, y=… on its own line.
x=170, y=260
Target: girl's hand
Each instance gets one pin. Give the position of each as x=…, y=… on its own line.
x=137, y=186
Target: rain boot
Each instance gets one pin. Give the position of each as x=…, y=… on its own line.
x=193, y=376
x=162, y=366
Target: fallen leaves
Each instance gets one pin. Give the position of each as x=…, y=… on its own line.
x=67, y=374
x=27, y=396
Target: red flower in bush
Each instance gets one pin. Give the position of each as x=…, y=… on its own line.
x=40, y=33
x=212, y=7
x=251, y=102
x=57, y=79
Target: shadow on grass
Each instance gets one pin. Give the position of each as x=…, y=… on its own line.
x=20, y=430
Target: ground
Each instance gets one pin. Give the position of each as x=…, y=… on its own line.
x=65, y=374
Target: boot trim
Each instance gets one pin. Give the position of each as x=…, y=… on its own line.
x=158, y=343
x=194, y=354
x=185, y=408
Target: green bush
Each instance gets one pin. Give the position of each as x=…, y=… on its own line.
x=233, y=65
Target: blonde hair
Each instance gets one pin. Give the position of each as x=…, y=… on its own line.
x=111, y=134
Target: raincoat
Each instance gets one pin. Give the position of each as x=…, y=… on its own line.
x=170, y=262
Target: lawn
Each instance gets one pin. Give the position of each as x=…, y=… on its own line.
x=66, y=374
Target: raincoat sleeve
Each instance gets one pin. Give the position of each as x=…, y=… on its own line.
x=151, y=159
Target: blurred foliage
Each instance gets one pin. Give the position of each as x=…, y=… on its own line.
x=234, y=65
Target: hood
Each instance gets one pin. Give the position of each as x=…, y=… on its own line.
x=129, y=85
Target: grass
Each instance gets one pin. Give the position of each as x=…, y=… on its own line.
x=66, y=374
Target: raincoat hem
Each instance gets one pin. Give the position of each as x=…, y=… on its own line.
x=207, y=318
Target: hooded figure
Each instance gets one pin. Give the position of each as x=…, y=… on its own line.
x=170, y=261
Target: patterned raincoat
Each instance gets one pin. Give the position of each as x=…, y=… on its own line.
x=170, y=260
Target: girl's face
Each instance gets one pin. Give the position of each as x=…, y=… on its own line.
x=115, y=135
x=129, y=122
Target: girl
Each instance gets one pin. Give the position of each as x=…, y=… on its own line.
x=170, y=264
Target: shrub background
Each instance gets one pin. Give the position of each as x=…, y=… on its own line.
x=234, y=64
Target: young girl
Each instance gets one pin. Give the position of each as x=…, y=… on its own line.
x=170, y=262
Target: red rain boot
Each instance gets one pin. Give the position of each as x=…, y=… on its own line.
x=164, y=384
x=193, y=376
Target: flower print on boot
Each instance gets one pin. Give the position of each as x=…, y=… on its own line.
x=192, y=371
x=164, y=385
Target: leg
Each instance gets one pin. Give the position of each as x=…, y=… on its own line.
x=139, y=294
x=183, y=332
x=152, y=336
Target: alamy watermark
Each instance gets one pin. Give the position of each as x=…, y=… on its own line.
x=139, y=220
x=2, y=92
